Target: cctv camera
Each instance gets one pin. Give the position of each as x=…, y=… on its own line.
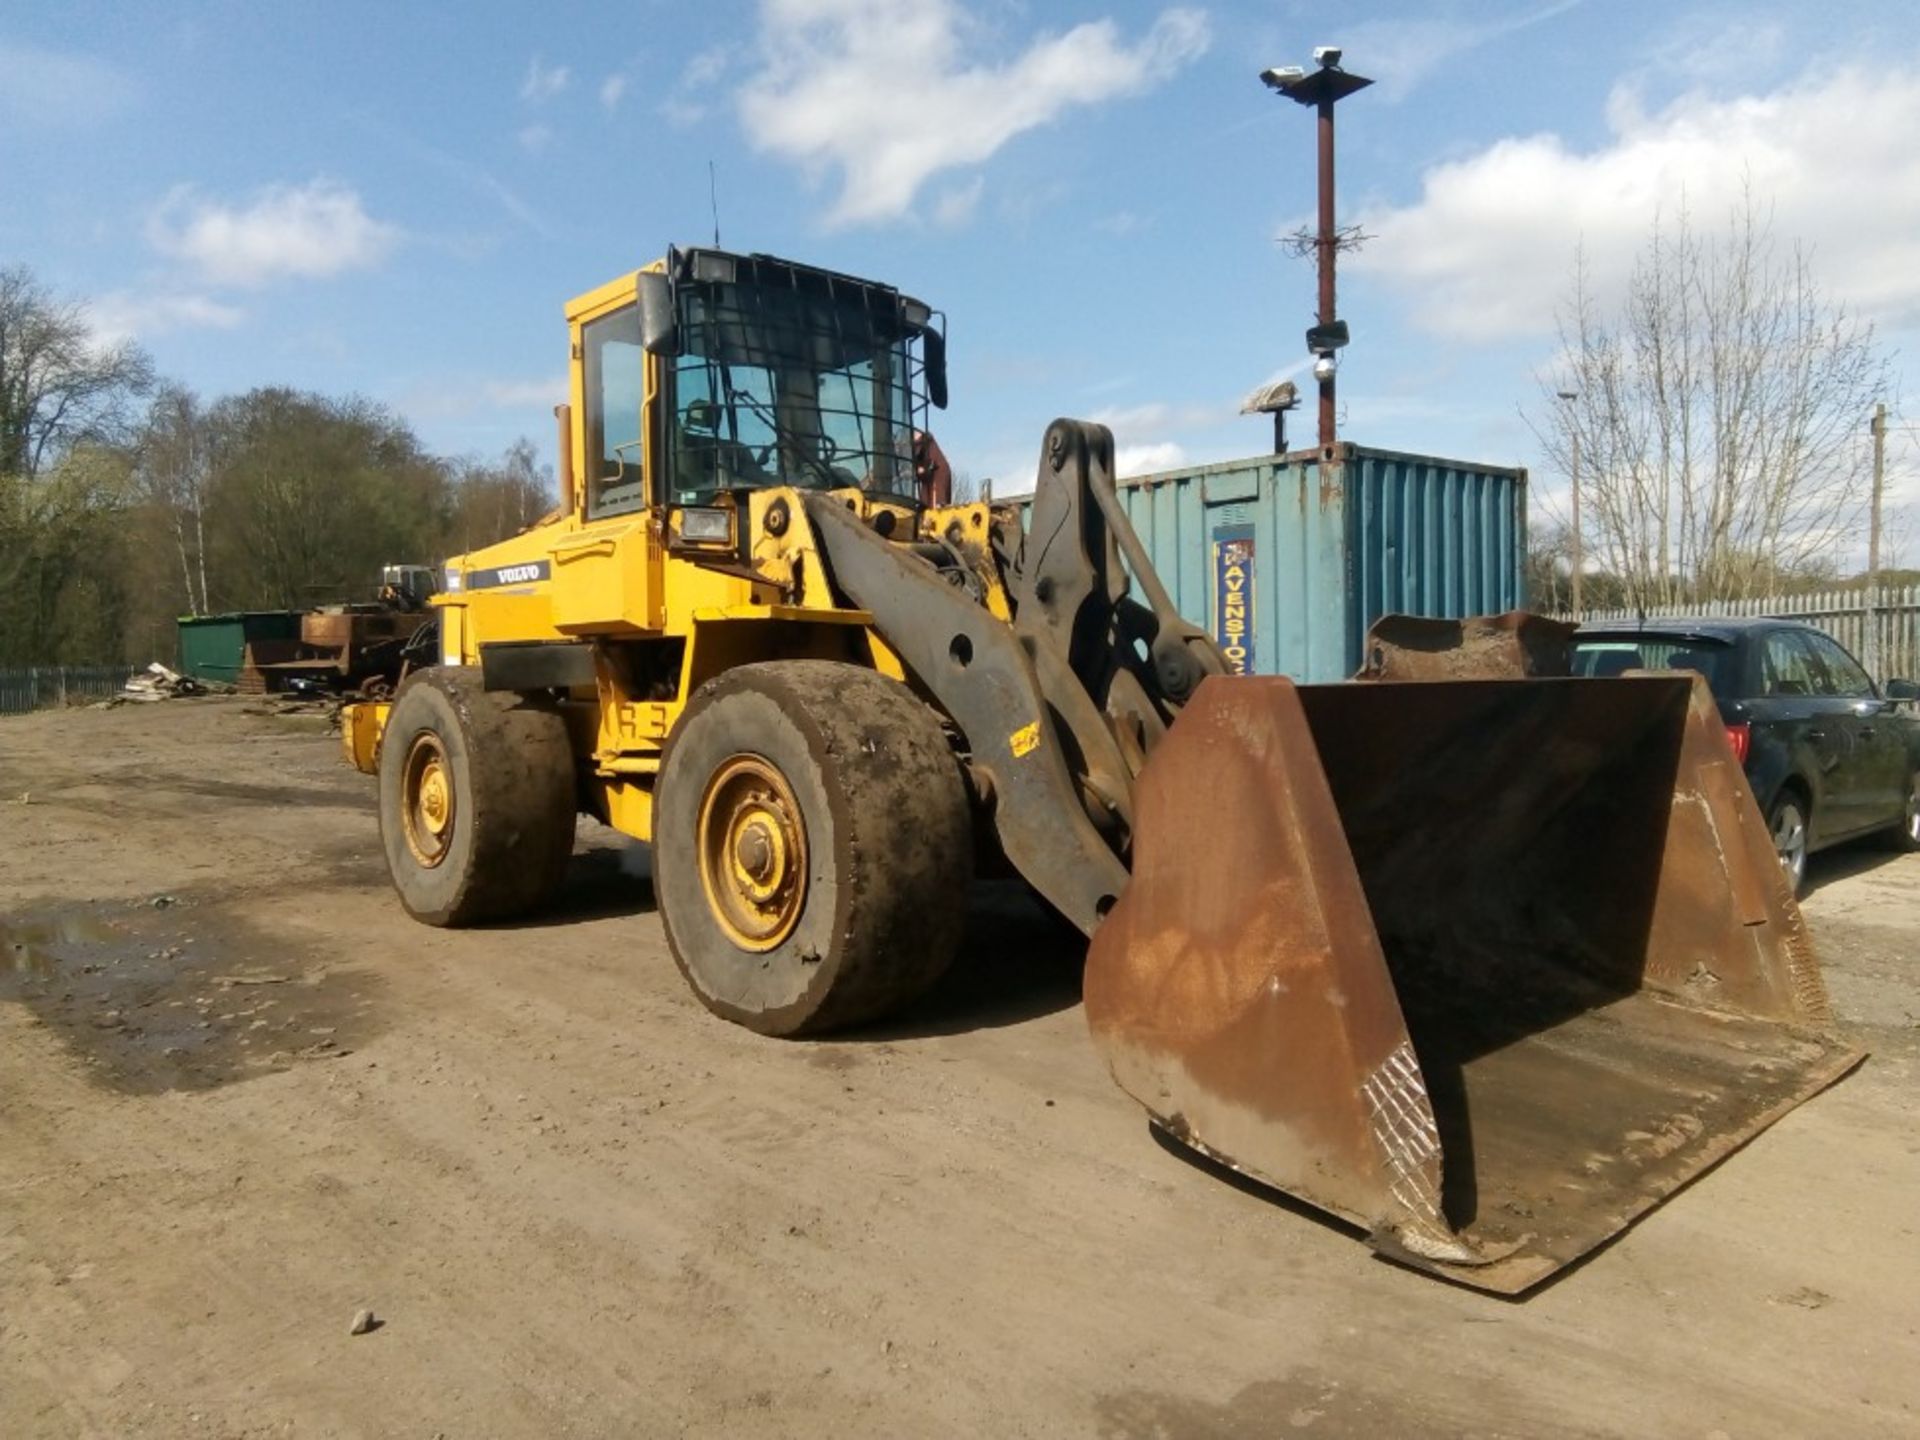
x=1326, y=56
x=1281, y=78
x=1323, y=367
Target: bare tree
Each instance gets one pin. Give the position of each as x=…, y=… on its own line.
x=1547, y=567
x=492, y=500
x=1718, y=415
x=1549, y=573
x=172, y=468
x=58, y=386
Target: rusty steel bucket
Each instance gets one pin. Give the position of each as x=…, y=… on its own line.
x=1489, y=967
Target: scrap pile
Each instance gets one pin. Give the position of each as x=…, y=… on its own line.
x=157, y=682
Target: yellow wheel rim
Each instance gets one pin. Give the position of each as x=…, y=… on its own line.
x=427, y=799
x=753, y=853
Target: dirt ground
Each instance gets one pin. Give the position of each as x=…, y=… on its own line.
x=242, y=1097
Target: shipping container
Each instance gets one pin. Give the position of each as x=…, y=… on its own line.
x=214, y=647
x=1287, y=559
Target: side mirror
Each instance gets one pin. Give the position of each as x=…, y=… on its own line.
x=1902, y=690
x=659, y=330
x=934, y=351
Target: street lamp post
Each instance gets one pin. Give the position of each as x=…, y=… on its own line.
x=1322, y=89
x=1573, y=436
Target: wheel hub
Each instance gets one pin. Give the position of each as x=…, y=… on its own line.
x=427, y=800
x=753, y=850
x=1790, y=840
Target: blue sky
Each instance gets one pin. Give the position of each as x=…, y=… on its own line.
x=398, y=200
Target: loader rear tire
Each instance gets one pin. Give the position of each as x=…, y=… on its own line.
x=812, y=846
x=477, y=799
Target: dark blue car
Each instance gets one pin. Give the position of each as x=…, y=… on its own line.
x=1829, y=754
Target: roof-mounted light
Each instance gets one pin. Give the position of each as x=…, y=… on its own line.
x=710, y=267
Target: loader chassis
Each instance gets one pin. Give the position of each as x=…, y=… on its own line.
x=1374, y=944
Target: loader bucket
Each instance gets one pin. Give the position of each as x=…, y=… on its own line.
x=1489, y=967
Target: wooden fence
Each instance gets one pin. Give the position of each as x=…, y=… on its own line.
x=1882, y=630
x=38, y=687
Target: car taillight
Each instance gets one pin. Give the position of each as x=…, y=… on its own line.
x=1740, y=736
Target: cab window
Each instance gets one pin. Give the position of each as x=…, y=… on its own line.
x=615, y=392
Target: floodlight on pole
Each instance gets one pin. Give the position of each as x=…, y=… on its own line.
x=1276, y=400
x=1322, y=88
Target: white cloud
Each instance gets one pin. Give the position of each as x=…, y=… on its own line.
x=1141, y=442
x=1147, y=459
x=682, y=114
x=543, y=81
x=306, y=231
x=816, y=100
x=612, y=90
x=121, y=315
x=686, y=106
x=1487, y=250
x=58, y=88
x=1133, y=422
x=956, y=206
x=707, y=67
x=535, y=138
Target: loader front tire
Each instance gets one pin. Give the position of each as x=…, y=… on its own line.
x=812, y=846
x=477, y=799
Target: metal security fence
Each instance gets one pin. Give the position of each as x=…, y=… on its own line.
x=41, y=686
x=1882, y=629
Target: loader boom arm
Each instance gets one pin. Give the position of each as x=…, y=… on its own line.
x=1059, y=711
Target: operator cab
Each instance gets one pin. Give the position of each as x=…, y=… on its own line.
x=770, y=374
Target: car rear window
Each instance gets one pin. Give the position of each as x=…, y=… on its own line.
x=1601, y=655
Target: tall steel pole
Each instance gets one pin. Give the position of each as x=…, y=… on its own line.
x=1326, y=249
x=1573, y=436
x=1322, y=89
x=1579, y=558
x=1872, y=647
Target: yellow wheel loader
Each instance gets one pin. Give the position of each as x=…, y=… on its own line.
x=1483, y=958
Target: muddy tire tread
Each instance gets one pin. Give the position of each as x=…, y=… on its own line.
x=896, y=818
x=516, y=797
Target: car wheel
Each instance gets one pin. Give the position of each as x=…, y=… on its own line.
x=1907, y=835
x=1787, y=822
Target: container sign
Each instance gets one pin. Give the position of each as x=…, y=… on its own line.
x=1233, y=596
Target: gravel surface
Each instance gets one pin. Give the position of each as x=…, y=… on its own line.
x=243, y=1098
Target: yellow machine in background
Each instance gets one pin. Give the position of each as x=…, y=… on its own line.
x=1489, y=965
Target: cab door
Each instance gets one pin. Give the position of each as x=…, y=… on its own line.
x=607, y=567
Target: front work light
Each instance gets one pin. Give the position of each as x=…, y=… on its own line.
x=706, y=526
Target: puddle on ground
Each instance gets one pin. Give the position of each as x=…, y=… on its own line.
x=34, y=947
x=170, y=995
